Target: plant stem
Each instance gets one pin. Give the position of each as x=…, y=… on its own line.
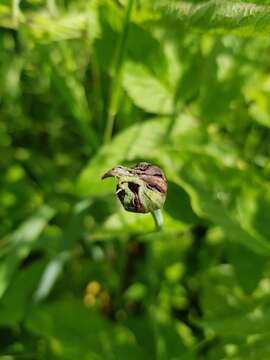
x=15, y=11
x=116, y=75
x=51, y=5
x=158, y=218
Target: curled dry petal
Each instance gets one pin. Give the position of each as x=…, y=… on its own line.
x=140, y=189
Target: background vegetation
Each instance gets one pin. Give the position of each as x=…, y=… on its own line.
x=86, y=85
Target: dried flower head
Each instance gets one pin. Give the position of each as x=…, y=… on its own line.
x=140, y=189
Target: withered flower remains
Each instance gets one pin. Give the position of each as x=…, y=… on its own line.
x=140, y=189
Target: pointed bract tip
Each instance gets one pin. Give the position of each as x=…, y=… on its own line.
x=116, y=172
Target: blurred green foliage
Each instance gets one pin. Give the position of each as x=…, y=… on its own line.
x=86, y=85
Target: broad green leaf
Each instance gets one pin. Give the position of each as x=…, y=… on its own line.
x=44, y=28
x=145, y=49
x=214, y=190
x=146, y=90
x=246, y=262
x=178, y=205
x=223, y=16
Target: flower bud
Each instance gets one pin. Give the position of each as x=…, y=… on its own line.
x=140, y=189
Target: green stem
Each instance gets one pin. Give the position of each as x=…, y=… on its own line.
x=51, y=5
x=158, y=218
x=116, y=76
x=15, y=11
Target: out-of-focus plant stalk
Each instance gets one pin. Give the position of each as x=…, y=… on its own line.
x=117, y=73
x=52, y=7
x=15, y=11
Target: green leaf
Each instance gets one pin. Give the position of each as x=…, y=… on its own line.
x=178, y=205
x=146, y=90
x=17, y=298
x=246, y=262
x=21, y=242
x=144, y=48
x=71, y=234
x=213, y=189
x=72, y=331
x=223, y=16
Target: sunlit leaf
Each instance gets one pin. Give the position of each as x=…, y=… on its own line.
x=223, y=16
